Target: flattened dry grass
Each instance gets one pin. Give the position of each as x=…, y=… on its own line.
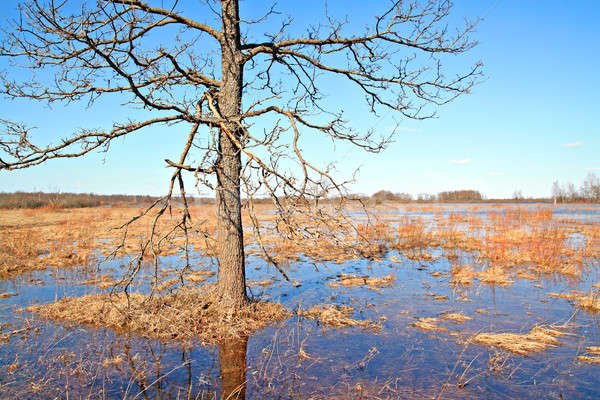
x=539, y=338
x=457, y=317
x=589, y=302
x=185, y=315
x=337, y=316
x=592, y=356
x=428, y=324
x=349, y=280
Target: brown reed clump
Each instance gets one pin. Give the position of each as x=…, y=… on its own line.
x=462, y=275
x=539, y=338
x=457, y=317
x=428, y=324
x=337, y=316
x=589, y=302
x=185, y=315
x=494, y=276
x=593, y=355
x=349, y=280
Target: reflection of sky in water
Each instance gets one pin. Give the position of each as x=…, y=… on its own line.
x=334, y=360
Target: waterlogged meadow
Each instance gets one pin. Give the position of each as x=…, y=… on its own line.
x=405, y=301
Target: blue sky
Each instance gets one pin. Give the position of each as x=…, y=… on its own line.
x=532, y=120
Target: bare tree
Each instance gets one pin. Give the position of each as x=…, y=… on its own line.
x=204, y=65
x=590, y=188
x=557, y=192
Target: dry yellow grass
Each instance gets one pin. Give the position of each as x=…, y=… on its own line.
x=198, y=276
x=592, y=357
x=530, y=241
x=349, y=280
x=462, y=275
x=428, y=324
x=185, y=315
x=589, y=302
x=494, y=276
x=539, y=338
x=266, y=282
x=525, y=275
x=457, y=317
x=337, y=316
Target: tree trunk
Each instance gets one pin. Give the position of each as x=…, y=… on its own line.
x=232, y=274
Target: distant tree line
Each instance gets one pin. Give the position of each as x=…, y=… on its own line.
x=77, y=200
x=386, y=195
x=588, y=191
x=459, y=196
x=442, y=197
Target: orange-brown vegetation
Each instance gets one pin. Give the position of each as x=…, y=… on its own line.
x=539, y=338
x=587, y=301
x=336, y=316
x=183, y=316
x=592, y=355
x=504, y=242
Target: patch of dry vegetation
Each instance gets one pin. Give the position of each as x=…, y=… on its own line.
x=337, y=316
x=462, y=275
x=428, y=324
x=510, y=243
x=349, y=280
x=19, y=250
x=457, y=317
x=494, y=276
x=539, y=338
x=592, y=356
x=589, y=302
x=185, y=315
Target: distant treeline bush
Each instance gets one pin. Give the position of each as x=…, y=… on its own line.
x=76, y=200
x=442, y=197
x=588, y=192
x=459, y=196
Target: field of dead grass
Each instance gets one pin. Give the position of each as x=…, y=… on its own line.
x=504, y=244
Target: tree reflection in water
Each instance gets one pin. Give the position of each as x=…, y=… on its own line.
x=232, y=367
x=153, y=382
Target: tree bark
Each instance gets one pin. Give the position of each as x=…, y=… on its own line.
x=232, y=274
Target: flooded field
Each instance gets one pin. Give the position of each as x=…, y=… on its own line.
x=436, y=301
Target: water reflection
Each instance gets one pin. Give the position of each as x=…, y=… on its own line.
x=232, y=367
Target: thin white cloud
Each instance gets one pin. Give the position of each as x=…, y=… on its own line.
x=592, y=169
x=461, y=162
x=574, y=144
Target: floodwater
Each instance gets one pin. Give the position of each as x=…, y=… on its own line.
x=297, y=358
